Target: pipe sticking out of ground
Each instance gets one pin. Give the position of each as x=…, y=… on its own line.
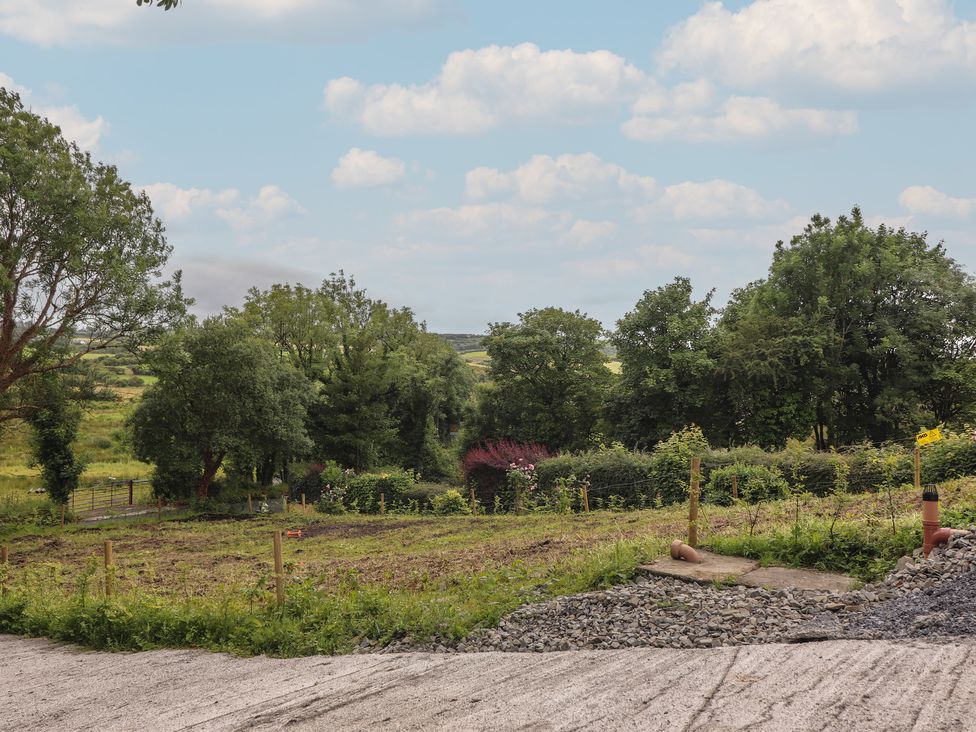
x=680, y=550
x=933, y=533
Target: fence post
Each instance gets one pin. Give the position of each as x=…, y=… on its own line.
x=4, y=556
x=585, y=490
x=735, y=488
x=918, y=468
x=518, y=500
x=159, y=509
x=108, y=568
x=284, y=504
x=471, y=500
x=304, y=508
x=130, y=492
x=279, y=570
x=250, y=506
x=382, y=504
x=62, y=515
x=693, y=503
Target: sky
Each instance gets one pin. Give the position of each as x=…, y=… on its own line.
x=473, y=160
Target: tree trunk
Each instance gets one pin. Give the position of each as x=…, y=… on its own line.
x=211, y=465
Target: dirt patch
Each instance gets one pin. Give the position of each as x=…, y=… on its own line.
x=221, y=517
x=355, y=530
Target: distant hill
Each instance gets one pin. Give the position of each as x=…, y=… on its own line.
x=464, y=342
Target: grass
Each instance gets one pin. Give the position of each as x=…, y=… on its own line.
x=206, y=581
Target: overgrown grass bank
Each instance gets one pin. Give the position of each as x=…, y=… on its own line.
x=206, y=581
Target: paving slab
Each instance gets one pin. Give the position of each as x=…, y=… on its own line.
x=836, y=685
x=714, y=568
x=784, y=578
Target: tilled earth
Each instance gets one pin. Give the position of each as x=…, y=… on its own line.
x=933, y=598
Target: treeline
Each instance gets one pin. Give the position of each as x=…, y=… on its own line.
x=856, y=334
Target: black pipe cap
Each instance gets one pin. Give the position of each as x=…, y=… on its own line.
x=930, y=494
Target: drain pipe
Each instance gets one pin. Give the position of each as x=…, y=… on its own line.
x=932, y=533
x=680, y=550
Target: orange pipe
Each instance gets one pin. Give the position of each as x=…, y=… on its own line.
x=680, y=550
x=933, y=534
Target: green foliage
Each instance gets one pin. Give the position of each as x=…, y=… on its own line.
x=755, y=483
x=610, y=470
x=54, y=421
x=850, y=548
x=450, y=503
x=363, y=493
x=666, y=367
x=671, y=464
x=81, y=251
x=220, y=393
x=16, y=514
x=549, y=379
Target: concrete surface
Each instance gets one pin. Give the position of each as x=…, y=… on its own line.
x=715, y=567
x=836, y=685
x=781, y=578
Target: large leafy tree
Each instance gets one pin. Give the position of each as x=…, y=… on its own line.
x=220, y=393
x=81, y=257
x=549, y=379
x=869, y=333
x=666, y=366
x=54, y=422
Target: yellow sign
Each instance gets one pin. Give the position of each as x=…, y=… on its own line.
x=932, y=435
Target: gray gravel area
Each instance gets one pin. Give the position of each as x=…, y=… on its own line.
x=931, y=598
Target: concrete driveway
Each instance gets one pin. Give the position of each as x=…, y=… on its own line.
x=834, y=685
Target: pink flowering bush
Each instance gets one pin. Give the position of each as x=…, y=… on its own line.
x=486, y=467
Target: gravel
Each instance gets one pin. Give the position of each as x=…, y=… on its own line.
x=933, y=598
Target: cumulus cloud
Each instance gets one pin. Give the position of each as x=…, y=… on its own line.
x=544, y=179
x=929, y=200
x=712, y=199
x=177, y=204
x=693, y=112
x=477, y=90
x=367, y=169
x=67, y=22
x=479, y=219
x=584, y=233
x=75, y=126
x=868, y=45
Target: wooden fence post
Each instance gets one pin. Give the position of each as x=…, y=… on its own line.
x=62, y=515
x=382, y=504
x=4, y=557
x=918, y=468
x=130, y=492
x=585, y=490
x=304, y=507
x=693, y=503
x=284, y=504
x=735, y=488
x=279, y=570
x=250, y=506
x=472, y=501
x=108, y=568
x=159, y=509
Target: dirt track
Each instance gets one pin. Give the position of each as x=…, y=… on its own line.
x=838, y=685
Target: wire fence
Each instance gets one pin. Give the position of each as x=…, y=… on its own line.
x=111, y=495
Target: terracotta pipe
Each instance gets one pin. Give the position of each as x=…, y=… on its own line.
x=932, y=533
x=680, y=550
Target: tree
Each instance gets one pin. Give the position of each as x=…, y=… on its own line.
x=81, y=257
x=868, y=332
x=220, y=393
x=54, y=424
x=665, y=365
x=550, y=379
x=164, y=4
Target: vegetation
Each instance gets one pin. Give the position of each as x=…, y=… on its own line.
x=82, y=256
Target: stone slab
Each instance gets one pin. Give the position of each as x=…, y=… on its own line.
x=783, y=578
x=714, y=568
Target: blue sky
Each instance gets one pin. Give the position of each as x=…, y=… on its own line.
x=472, y=160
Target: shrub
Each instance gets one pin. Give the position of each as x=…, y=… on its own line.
x=450, y=503
x=671, y=464
x=756, y=483
x=951, y=457
x=317, y=477
x=364, y=489
x=614, y=470
x=486, y=467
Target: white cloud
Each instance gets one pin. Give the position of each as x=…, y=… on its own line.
x=488, y=218
x=929, y=200
x=866, y=45
x=74, y=125
x=177, y=204
x=689, y=112
x=366, y=169
x=584, y=233
x=713, y=199
x=67, y=22
x=544, y=179
x=269, y=205
x=477, y=90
